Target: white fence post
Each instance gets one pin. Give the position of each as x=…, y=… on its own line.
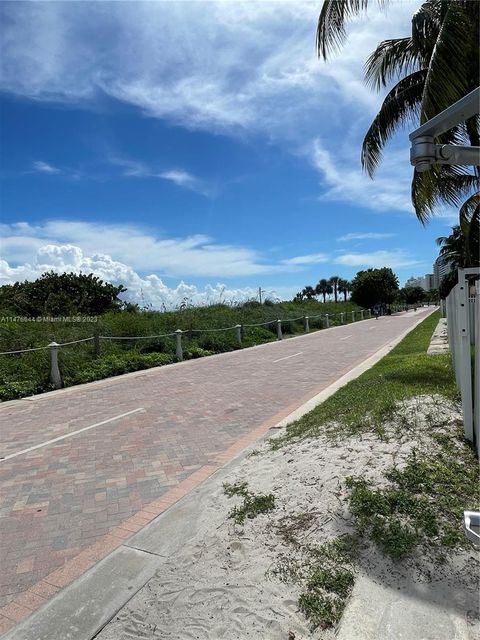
x=279, y=330
x=342, y=317
x=353, y=316
x=327, y=321
x=459, y=327
x=238, y=330
x=369, y=313
x=476, y=398
x=361, y=314
x=55, y=378
x=179, y=351
x=307, y=325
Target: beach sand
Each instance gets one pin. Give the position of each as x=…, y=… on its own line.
x=222, y=580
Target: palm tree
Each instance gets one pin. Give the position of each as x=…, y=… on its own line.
x=323, y=288
x=344, y=287
x=435, y=66
x=334, y=280
x=454, y=249
x=308, y=292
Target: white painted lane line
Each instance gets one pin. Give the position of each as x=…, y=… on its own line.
x=287, y=357
x=70, y=435
x=346, y=337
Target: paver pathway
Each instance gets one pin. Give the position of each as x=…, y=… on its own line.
x=137, y=443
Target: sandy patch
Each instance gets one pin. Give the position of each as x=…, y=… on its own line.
x=223, y=582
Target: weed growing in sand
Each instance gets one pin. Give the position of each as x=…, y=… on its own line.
x=424, y=501
x=252, y=505
x=325, y=572
x=366, y=403
x=329, y=582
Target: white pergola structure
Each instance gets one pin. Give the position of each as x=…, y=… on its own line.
x=424, y=153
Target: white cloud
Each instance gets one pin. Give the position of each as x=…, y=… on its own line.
x=149, y=290
x=254, y=69
x=343, y=179
x=364, y=236
x=394, y=259
x=215, y=66
x=184, y=179
x=312, y=258
x=44, y=167
x=196, y=255
x=180, y=177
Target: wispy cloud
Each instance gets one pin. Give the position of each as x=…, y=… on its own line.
x=44, y=167
x=343, y=179
x=364, y=236
x=312, y=258
x=180, y=177
x=185, y=180
x=396, y=258
x=130, y=167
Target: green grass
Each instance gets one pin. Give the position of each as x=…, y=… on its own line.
x=365, y=403
x=325, y=572
x=252, y=504
x=28, y=373
x=423, y=501
x=330, y=581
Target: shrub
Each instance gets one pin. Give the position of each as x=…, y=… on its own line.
x=117, y=364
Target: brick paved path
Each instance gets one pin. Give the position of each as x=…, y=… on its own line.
x=99, y=486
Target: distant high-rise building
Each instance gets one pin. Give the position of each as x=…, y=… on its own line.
x=414, y=281
x=426, y=282
x=429, y=281
x=441, y=267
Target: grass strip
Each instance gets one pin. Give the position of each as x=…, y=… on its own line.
x=366, y=402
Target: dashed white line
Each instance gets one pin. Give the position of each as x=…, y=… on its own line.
x=345, y=337
x=70, y=435
x=287, y=357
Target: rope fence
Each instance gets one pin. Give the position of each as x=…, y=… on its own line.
x=325, y=318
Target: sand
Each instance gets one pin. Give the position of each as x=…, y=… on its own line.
x=220, y=580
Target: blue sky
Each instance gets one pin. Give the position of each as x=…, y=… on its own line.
x=197, y=149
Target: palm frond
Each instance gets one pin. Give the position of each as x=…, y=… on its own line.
x=392, y=59
x=441, y=185
x=449, y=73
x=470, y=225
x=426, y=24
x=401, y=105
x=331, y=32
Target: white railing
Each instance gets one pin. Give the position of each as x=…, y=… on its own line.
x=463, y=325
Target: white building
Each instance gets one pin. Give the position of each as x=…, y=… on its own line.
x=441, y=267
x=425, y=282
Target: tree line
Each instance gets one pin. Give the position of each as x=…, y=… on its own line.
x=334, y=285
x=368, y=288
